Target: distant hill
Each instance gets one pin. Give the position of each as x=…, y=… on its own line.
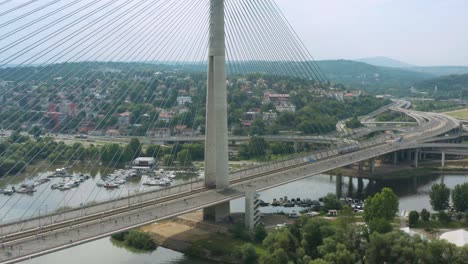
x=451, y=86
x=371, y=78
x=385, y=62
x=442, y=70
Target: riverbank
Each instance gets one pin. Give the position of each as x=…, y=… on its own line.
x=191, y=235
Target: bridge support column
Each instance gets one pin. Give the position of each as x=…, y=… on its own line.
x=372, y=165
x=443, y=159
x=216, y=135
x=408, y=155
x=250, y=208
x=339, y=185
x=217, y=213
x=395, y=158
x=416, y=158
x=296, y=146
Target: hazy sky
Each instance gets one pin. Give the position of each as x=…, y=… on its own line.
x=421, y=32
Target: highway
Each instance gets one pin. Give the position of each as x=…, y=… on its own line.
x=55, y=231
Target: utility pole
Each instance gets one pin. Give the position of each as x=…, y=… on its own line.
x=216, y=132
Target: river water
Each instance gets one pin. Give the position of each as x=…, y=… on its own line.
x=413, y=194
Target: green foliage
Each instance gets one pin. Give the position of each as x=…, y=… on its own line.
x=153, y=151
x=184, y=158
x=425, y=215
x=168, y=160
x=239, y=231
x=460, y=197
x=443, y=217
x=413, y=218
x=380, y=210
x=248, y=254
x=451, y=86
x=140, y=240
x=257, y=146
x=259, y=233
x=335, y=252
x=383, y=205
x=121, y=236
x=439, y=196
x=331, y=202
x=379, y=225
x=353, y=123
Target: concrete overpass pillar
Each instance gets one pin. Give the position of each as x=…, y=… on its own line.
x=443, y=159
x=372, y=165
x=361, y=166
x=250, y=208
x=339, y=185
x=395, y=157
x=296, y=146
x=216, y=136
x=416, y=158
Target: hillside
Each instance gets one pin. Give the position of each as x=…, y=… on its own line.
x=451, y=86
x=385, y=62
x=356, y=75
x=371, y=78
x=441, y=70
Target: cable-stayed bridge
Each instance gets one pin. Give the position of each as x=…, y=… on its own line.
x=228, y=38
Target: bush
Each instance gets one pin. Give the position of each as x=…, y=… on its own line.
x=260, y=233
x=459, y=216
x=413, y=218
x=120, y=236
x=425, y=215
x=139, y=240
x=239, y=231
x=443, y=217
x=380, y=225
x=248, y=254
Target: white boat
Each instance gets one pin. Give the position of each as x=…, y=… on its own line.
x=111, y=185
x=151, y=183
x=164, y=182
x=64, y=188
x=100, y=183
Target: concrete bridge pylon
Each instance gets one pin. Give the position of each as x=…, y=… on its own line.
x=216, y=135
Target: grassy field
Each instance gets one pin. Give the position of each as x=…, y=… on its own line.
x=463, y=113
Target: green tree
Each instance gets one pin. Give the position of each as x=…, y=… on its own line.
x=413, y=218
x=460, y=197
x=135, y=146
x=259, y=233
x=168, y=160
x=153, y=151
x=425, y=215
x=139, y=240
x=331, y=202
x=335, y=252
x=353, y=123
x=258, y=127
x=248, y=253
x=380, y=210
x=439, y=196
x=184, y=158
x=257, y=146
x=382, y=205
